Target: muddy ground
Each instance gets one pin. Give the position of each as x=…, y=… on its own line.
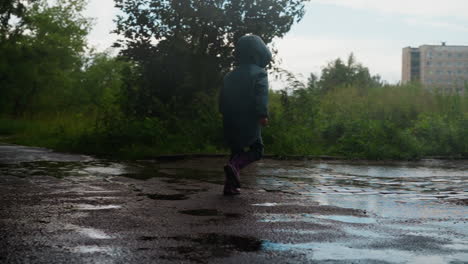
x=61, y=208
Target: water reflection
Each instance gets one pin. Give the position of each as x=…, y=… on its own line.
x=89, y=232
x=343, y=252
x=392, y=171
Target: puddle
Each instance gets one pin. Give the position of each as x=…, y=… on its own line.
x=167, y=197
x=147, y=171
x=364, y=233
x=113, y=169
x=408, y=242
x=463, y=247
x=397, y=206
x=233, y=215
x=350, y=254
x=461, y=201
x=212, y=245
x=347, y=219
x=61, y=169
x=202, y=212
x=421, y=188
x=89, y=232
x=285, y=218
x=13, y=154
x=267, y=204
x=94, y=233
x=210, y=212
x=397, y=169
x=230, y=242
x=37, y=169
x=413, y=228
x=91, y=207
x=310, y=218
x=92, y=198
x=93, y=250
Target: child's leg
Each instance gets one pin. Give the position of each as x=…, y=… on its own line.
x=235, y=151
x=256, y=150
x=232, y=180
x=255, y=153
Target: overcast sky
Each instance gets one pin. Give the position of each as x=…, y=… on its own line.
x=374, y=30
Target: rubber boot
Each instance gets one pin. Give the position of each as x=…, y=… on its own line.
x=231, y=183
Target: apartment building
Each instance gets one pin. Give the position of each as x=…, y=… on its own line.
x=437, y=67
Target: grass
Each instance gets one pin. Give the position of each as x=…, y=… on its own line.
x=394, y=122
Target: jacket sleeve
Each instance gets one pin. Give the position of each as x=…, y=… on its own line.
x=261, y=95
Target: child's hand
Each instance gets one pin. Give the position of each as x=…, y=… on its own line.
x=264, y=121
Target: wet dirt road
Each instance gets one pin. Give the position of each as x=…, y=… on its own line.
x=59, y=208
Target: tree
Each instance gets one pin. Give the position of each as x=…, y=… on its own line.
x=37, y=67
x=312, y=82
x=185, y=46
x=338, y=74
x=9, y=9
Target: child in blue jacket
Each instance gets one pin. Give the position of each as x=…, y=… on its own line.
x=244, y=107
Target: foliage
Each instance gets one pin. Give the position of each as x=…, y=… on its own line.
x=359, y=117
x=338, y=74
x=160, y=98
x=392, y=122
x=377, y=124
x=10, y=9
x=62, y=131
x=185, y=47
x=43, y=59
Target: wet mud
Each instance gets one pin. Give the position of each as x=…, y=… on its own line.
x=58, y=208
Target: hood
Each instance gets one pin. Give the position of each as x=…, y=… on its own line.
x=250, y=49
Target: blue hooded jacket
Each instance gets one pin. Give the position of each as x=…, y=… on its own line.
x=244, y=96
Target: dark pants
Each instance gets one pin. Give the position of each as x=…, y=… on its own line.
x=254, y=153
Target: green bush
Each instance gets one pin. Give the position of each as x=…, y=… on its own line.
x=388, y=122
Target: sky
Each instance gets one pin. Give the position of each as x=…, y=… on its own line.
x=375, y=31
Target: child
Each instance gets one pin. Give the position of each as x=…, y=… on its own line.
x=244, y=106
